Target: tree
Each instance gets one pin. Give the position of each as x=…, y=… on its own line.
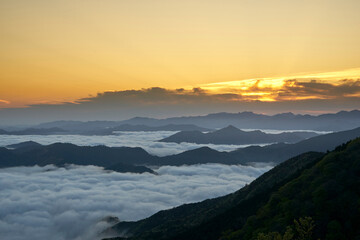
x=304, y=228
x=301, y=230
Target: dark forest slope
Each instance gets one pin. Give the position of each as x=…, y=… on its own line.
x=325, y=188
x=175, y=221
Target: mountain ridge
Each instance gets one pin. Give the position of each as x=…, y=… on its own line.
x=120, y=159
x=233, y=135
x=339, y=121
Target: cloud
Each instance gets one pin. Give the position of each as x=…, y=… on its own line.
x=257, y=90
x=280, y=90
x=156, y=95
x=2, y=101
x=66, y=204
x=314, y=89
x=261, y=95
x=120, y=105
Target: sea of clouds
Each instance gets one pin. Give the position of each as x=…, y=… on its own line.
x=69, y=203
x=146, y=140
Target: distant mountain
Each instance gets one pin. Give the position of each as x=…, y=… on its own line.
x=145, y=128
x=247, y=120
x=108, y=127
x=79, y=125
x=197, y=156
x=325, y=188
x=121, y=159
x=280, y=152
x=168, y=127
x=27, y=145
x=24, y=146
x=233, y=135
x=275, y=153
x=34, y=131
x=244, y=120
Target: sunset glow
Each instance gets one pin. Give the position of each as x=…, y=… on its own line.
x=270, y=89
x=142, y=119
x=61, y=51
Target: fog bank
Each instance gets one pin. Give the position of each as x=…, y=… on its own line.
x=64, y=204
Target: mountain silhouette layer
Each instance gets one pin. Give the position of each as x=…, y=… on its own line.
x=340, y=121
x=121, y=159
x=233, y=135
x=343, y=120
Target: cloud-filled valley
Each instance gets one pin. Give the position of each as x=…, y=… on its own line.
x=58, y=203
x=145, y=140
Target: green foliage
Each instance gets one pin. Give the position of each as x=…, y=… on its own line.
x=288, y=235
x=328, y=191
x=334, y=231
x=304, y=228
x=301, y=230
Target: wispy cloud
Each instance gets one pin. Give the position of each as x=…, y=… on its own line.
x=294, y=89
x=329, y=85
x=158, y=95
x=2, y=101
x=253, y=90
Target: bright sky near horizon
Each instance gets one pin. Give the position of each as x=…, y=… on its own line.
x=55, y=51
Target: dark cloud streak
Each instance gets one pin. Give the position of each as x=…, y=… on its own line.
x=319, y=89
x=296, y=96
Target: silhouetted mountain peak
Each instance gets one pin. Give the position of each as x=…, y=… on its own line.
x=203, y=149
x=229, y=129
x=200, y=151
x=285, y=115
x=353, y=113
x=26, y=144
x=248, y=114
x=234, y=135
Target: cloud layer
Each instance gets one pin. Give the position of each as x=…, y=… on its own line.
x=243, y=91
x=145, y=140
x=281, y=90
x=66, y=204
x=259, y=95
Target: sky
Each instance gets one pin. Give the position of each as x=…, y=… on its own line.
x=258, y=51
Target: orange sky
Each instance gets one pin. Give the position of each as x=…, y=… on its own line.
x=55, y=51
